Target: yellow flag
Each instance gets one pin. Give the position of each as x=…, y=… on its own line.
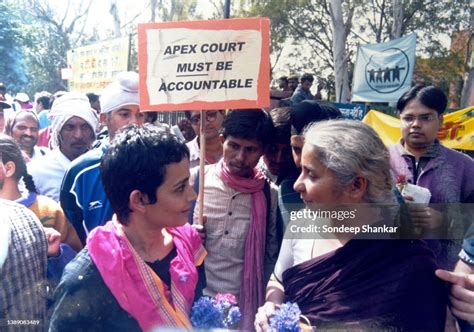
x=457, y=131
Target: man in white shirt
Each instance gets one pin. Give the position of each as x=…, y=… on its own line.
x=74, y=125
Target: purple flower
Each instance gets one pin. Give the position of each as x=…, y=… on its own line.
x=233, y=317
x=205, y=314
x=286, y=318
x=209, y=313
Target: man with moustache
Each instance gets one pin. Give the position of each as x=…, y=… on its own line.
x=240, y=209
x=74, y=126
x=213, y=126
x=23, y=126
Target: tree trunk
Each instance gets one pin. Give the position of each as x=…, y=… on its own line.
x=397, y=7
x=339, y=38
x=467, y=95
x=153, y=5
x=114, y=12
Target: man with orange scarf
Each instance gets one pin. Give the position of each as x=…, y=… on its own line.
x=240, y=207
x=143, y=269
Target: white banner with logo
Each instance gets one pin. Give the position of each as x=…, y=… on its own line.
x=383, y=72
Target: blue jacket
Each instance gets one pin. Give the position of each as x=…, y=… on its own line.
x=82, y=195
x=300, y=95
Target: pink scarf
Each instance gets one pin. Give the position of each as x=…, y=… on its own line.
x=252, y=288
x=136, y=287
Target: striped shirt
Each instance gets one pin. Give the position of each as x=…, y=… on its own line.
x=23, y=272
x=228, y=219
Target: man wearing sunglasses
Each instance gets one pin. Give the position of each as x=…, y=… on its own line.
x=212, y=129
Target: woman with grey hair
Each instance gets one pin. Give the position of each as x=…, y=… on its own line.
x=339, y=261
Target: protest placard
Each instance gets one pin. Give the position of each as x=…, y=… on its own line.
x=383, y=71
x=192, y=65
x=92, y=67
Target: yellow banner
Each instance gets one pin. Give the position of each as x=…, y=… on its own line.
x=95, y=66
x=457, y=131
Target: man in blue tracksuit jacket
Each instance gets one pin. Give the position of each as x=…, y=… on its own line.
x=82, y=195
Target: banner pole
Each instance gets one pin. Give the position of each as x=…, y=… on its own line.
x=227, y=9
x=202, y=144
x=202, y=160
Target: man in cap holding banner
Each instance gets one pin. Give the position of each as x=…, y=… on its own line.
x=82, y=195
x=74, y=126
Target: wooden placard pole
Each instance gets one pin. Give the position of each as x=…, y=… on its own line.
x=202, y=161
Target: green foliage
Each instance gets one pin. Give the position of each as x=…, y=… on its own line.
x=306, y=24
x=12, y=37
x=33, y=47
x=45, y=58
x=427, y=18
x=176, y=10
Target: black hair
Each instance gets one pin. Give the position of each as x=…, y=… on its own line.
x=10, y=151
x=151, y=117
x=307, y=77
x=283, y=78
x=137, y=160
x=430, y=96
x=45, y=101
x=188, y=114
x=92, y=97
x=331, y=110
x=248, y=124
x=309, y=111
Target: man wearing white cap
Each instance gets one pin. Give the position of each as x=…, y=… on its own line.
x=23, y=100
x=82, y=195
x=74, y=126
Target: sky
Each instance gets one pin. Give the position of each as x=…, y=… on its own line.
x=99, y=17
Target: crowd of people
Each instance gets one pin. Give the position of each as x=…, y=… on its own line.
x=101, y=228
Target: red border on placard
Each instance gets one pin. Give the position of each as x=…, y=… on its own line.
x=263, y=90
